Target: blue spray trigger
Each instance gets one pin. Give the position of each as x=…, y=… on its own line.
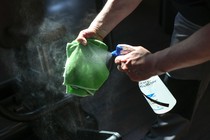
x=117, y=51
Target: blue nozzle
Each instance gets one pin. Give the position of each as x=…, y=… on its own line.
x=117, y=52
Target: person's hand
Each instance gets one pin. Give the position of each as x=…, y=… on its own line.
x=135, y=63
x=87, y=33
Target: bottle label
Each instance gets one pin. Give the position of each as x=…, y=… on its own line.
x=157, y=95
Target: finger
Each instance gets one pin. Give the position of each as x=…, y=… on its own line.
x=82, y=40
x=122, y=67
x=120, y=59
x=119, y=68
x=117, y=61
x=82, y=37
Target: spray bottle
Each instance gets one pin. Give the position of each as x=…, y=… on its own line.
x=154, y=90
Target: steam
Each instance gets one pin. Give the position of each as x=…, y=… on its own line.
x=43, y=78
x=37, y=54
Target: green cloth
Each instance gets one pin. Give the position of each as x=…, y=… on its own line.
x=85, y=68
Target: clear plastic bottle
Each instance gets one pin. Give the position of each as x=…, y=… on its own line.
x=154, y=90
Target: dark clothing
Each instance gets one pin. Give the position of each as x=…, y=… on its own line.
x=185, y=92
x=196, y=11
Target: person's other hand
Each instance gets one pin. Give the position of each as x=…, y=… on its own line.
x=135, y=63
x=87, y=33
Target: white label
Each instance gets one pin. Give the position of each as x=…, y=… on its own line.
x=157, y=95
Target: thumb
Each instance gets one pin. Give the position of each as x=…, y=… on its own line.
x=120, y=59
x=82, y=40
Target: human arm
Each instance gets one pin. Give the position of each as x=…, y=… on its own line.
x=113, y=12
x=192, y=51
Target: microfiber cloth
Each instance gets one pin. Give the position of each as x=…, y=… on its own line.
x=85, y=68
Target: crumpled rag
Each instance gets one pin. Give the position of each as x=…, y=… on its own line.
x=85, y=68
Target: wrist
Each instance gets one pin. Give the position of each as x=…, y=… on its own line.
x=162, y=63
x=156, y=65
x=101, y=33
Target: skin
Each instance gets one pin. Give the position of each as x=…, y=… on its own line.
x=140, y=64
x=104, y=23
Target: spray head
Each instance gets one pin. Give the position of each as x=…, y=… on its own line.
x=117, y=51
x=122, y=50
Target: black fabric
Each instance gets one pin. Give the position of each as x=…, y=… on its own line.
x=197, y=11
x=185, y=92
x=201, y=123
x=188, y=2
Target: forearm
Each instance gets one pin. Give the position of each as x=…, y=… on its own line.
x=112, y=14
x=192, y=51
